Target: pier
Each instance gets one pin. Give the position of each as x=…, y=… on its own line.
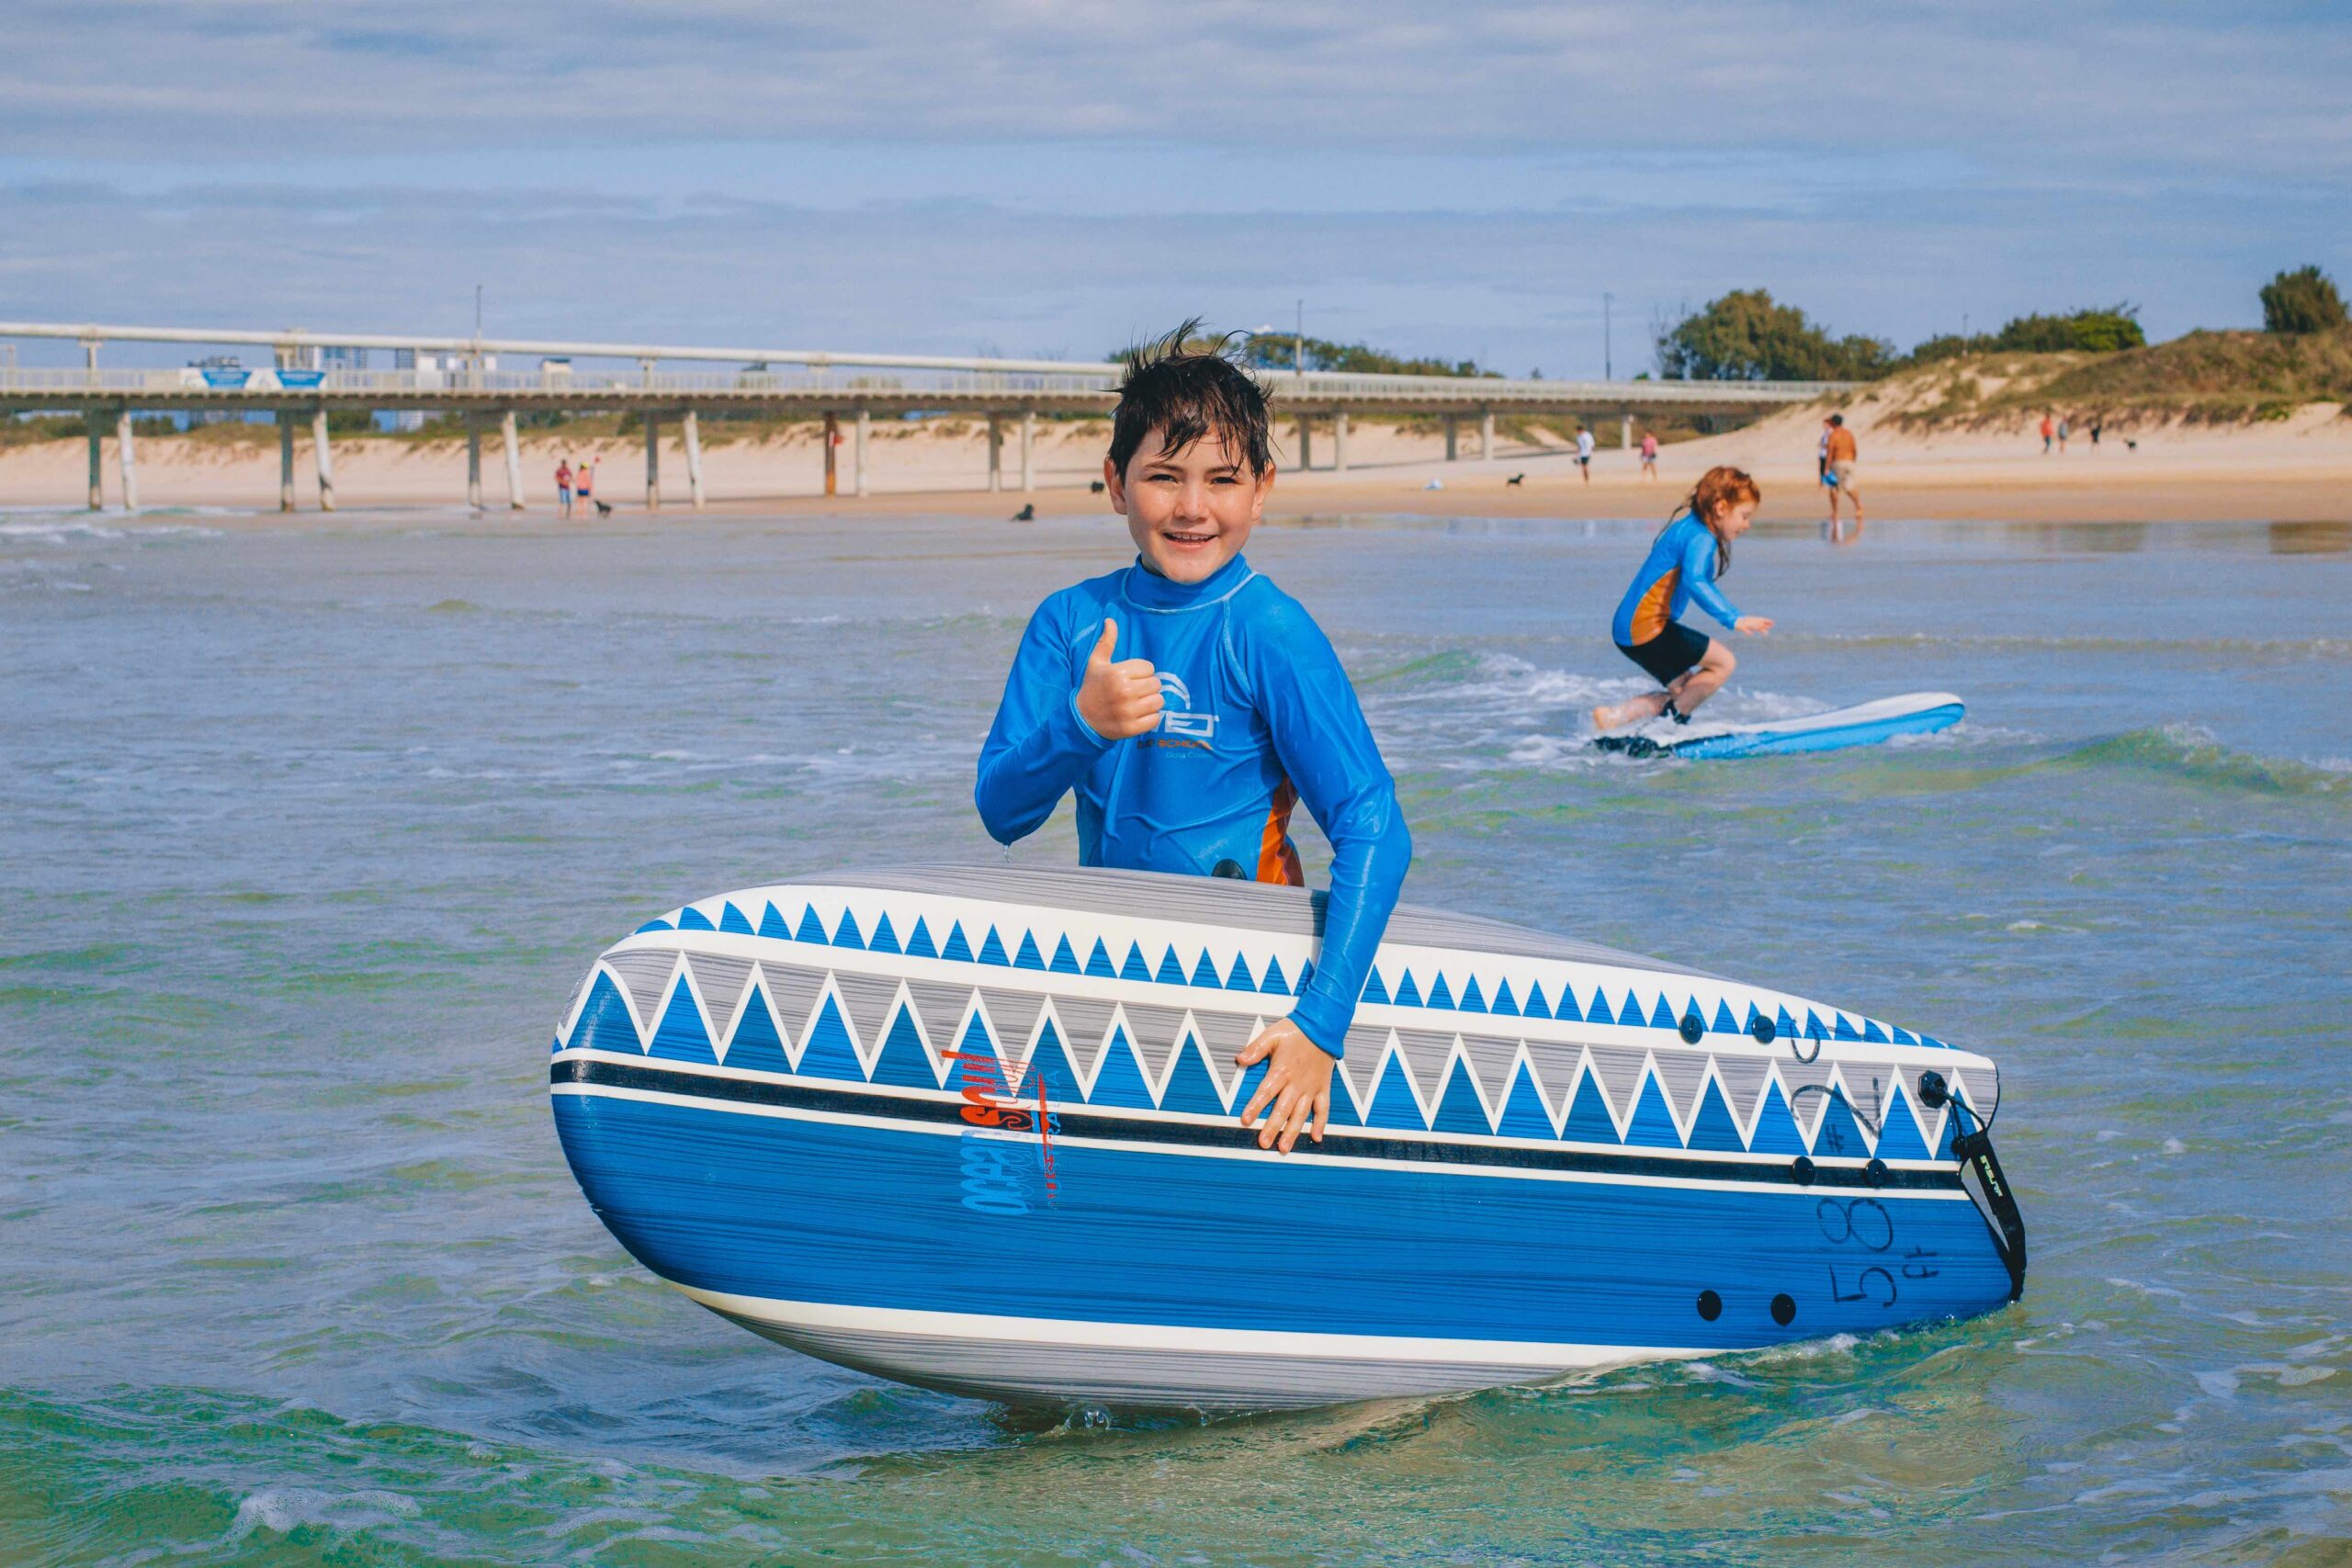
x=664, y=384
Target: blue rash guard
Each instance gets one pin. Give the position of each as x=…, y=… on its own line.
x=1259, y=716
x=1680, y=567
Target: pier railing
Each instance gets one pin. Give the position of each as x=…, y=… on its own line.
x=846, y=387
x=461, y=378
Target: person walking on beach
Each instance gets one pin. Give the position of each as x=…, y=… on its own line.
x=1584, y=452
x=564, y=488
x=1821, y=458
x=2049, y=430
x=1687, y=559
x=1649, y=454
x=1841, y=455
x=584, y=480
x=2064, y=425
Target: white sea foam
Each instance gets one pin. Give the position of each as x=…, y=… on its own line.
x=281, y=1510
x=68, y=530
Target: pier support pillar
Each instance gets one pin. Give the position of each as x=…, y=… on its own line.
x=323, y=454
x=473, y=461
x=1452, y=431
x=832, y=454
x=1339, y=442
x=1625, y=433
x=1306, y=444
x=285, y=461
x=653, y=462
x=1028, y=441
x=996, y=452
x=126, y=454
x=857, y=452
x=97, y=462
x=506, y=433
x=690, y=424
x=1486, y=435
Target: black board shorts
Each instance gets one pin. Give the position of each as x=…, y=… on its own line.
x=1670, y=653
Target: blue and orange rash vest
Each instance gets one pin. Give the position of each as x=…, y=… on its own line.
x=1680, y=567
x=1260, y=717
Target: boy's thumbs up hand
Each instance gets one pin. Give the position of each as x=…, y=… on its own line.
x=1120, y=699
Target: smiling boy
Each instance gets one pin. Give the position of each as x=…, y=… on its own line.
x=1192, y=704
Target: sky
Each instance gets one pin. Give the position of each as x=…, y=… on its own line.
x=1059, y=178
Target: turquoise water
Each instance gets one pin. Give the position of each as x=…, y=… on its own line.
x=309, y=832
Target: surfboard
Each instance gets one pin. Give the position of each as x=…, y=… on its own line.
x=1865, y=724
x=975, y=1129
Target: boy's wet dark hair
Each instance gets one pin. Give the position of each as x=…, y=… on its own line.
x=1185, y=391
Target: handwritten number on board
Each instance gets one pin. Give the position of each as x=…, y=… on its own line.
x=1864, y=1289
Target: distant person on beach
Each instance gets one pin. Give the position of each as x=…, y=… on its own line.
x=564, y=488
x=1685, y=561
x=1821, y=456
x=1193, y=705
x=2098, y=423
x=2049, y=430
x=1842, y=454
x=2064, y=425
x=1649, y=454
x=1584, y=452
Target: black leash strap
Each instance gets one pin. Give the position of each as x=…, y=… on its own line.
x=1973, y=1148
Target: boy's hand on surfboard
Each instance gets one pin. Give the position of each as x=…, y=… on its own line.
x=1297, y=1085
x=1758, y=624
x=1120, y=699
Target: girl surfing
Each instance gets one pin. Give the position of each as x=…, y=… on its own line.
x=1685, y=561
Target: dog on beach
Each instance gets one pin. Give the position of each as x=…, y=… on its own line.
x=1515, y=478
x=604, y=508
x=1027, y=514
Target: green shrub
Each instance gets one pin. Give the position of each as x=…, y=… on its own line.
x=2304, y=300
x=2107, y=330
x=1746, y=336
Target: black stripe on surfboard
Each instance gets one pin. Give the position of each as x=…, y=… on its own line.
x=1357, y=1142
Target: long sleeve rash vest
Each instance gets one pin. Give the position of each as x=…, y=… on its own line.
x=1259, y=716
x=1679, y=568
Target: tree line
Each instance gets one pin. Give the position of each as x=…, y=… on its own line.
x=1746, y=335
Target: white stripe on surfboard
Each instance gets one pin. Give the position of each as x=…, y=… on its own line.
x=1082, y=1335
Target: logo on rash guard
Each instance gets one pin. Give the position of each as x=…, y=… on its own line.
x=1177, y=717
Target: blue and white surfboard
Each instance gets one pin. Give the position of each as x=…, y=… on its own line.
x=974, y=1129
x=1865, y=724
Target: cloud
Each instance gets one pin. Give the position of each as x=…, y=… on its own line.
x=1044, y=174
x=1520, y=288
x=2243, y=89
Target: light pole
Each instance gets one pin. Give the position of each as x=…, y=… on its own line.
x=1298, y=343
x=1608, y=369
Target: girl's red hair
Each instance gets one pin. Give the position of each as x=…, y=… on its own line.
x=1719, y=490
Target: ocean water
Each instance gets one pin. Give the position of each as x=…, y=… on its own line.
x=305, y=833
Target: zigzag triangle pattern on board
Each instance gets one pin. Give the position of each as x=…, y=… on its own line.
x=860, y=1027
x=812, y=1017
x=1445, y=988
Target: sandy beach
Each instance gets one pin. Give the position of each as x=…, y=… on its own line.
x=2295, y=468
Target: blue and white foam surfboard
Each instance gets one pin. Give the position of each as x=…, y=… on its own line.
x=1865, y=724
x=974, y=1129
